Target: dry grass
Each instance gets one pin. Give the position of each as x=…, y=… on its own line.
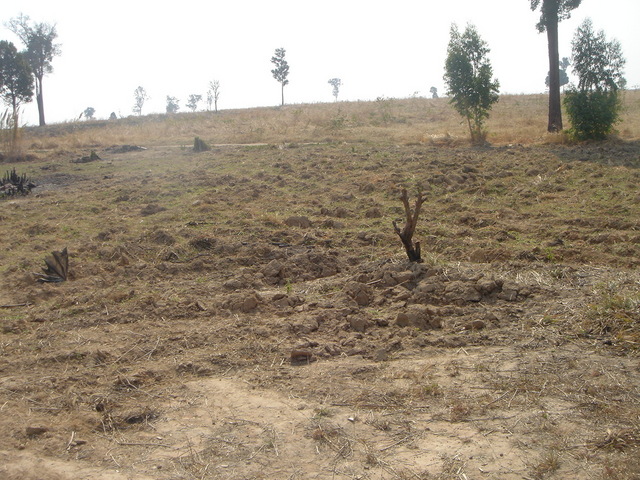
x=515, y=119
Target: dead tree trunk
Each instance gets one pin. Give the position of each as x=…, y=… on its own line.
x=406, y=234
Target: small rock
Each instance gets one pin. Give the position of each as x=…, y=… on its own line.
x=418, y=316
x=475, y=325
x=382, y=322
x=333, y=350
x=330, y=223
x=298, y=221
x=299, y=356
x=249, y=303
x=458, y=291
x=341, y=212
x=486, y=286
x=273, y=269
x=360, y=292
x=34, y=431
x=380, y=355
x=373, y=213
x=151, y=209
x=358, y=323
x=509, y=292
x=403, y=277
x=305, y=326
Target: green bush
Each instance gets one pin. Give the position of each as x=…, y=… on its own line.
x=593, y=114
x=594, y=105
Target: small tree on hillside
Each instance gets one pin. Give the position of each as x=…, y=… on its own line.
x=172, y=104
x=16, y=84
x=89, y=112
x=434, y=92
x=140, y=95
x=594, y=105
x=336, y=83
x=213, y=94
x=468, y=75
x=564, y=77
x=192, y=102
x=281, y=72
x=38, y=39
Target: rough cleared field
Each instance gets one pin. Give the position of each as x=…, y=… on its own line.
x=249, y=313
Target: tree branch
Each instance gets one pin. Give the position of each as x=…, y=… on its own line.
x=406, y=234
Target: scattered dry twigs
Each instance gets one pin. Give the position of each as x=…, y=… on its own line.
x=620, y=439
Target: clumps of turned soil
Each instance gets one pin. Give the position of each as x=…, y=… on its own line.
x=349, y=312
x=302, y=266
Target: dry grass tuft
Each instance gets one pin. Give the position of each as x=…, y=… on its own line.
x=621, y=440
x=615, y=313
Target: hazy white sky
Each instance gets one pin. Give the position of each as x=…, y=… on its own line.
x=377, y=48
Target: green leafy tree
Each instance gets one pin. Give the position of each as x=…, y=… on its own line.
x=468, y=75
x=38, y=39
x=594, y=105
x=336, y=83
x=192, y=102
x=140, y=96
x=434, y=92
x=172, y=104
x=551, y=13
x=281, y=70
x=89, y=112
x=16, y=81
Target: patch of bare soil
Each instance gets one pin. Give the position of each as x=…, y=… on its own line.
x=249, y=312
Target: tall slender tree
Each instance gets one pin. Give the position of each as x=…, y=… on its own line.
x=213, y=94
x=281, y=72
x=551, y=13
x=38, y=38
x=140, y=95
x=336, y=83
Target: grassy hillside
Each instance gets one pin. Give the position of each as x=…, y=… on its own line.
x=515, y=119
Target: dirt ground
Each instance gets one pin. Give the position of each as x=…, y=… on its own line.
x=249, y=313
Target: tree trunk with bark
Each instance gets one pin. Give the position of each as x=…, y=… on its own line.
x=40, y=101
x=555, y=109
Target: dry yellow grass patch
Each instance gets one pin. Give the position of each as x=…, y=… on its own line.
x=514, y=119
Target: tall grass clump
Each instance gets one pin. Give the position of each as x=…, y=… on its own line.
x=10, y=136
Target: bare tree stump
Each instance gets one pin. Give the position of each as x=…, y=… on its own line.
x=406, y=234
x=200, y=145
